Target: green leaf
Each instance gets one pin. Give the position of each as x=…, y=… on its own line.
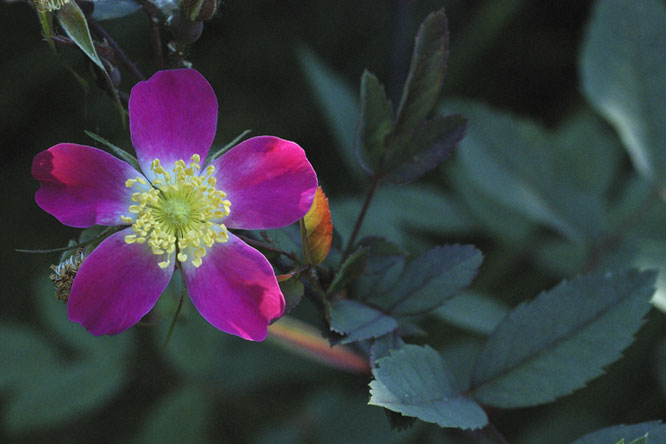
x=293, y=291
x=61, y=393
x=180, y=416
x=374, y=125
x=654, y=430
x=423, y=209
x=358, y=321
x=426, y=74
x=430, y=279
x=339, y=104
x=433, y=141
x=194, y=362
x=24, y=355
x=349, y=271
x=473, y=311
x=74, y=22
x=512, y=160
x=489, y=215
x=381, y=347
x=623, y=72
x=415, y=381
x=589, y=152
x=112, y=9
x=121, y=153
x=564, y=338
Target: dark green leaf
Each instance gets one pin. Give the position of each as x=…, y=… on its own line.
x=655, y=431
x=121, y=153
x=555, y=344
x=486, y=212
x=374, y=123
x=180, y=416
x=74, y=22
x=473, y=311
x=432, y=143
x=430, y=279
x=24, y=355
x=357, y=321
x=426, y=74
x=112, y=9
x=423, y=209
x=382, y=255
x=623, y=70
x=589, y=152
x=293, y=291
x=381, y=347
x=349, y=271
x=60, y=393
x=339, y=104
x=511, y=159
x=415, y=381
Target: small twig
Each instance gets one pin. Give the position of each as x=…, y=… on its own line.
x=361, y=216
x=268, y=247
x=99, y=29
x=71, y=247
x=151, y=10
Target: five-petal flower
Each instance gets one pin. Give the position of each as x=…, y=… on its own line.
x=177, y=211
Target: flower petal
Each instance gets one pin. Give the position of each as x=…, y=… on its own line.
x=82, y=186
x=116, y=286
x=235, y=289
x=269, y=182
x=173, y=115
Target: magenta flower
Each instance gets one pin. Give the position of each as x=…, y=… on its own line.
x=176, y=211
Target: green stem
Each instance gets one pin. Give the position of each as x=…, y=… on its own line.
x=180, y=305
x=304, y=242
x=361, y=217
x=71, y=247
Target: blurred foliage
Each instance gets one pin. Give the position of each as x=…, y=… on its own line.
x=552, y=180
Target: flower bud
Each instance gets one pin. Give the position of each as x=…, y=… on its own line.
x=199, y=10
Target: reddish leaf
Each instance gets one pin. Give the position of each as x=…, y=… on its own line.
x=319, y=228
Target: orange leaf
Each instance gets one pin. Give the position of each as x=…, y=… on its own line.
x=319, y=228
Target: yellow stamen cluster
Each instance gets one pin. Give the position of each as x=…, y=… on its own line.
x=179, y=212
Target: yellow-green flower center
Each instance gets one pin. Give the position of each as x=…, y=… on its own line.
x=179, y=212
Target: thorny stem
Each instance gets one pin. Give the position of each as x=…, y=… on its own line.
x=151, y=10
x=361, y=216
x=180, y=305
x=99, y=29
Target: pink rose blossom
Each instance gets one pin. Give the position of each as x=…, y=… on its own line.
x=176, y=211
